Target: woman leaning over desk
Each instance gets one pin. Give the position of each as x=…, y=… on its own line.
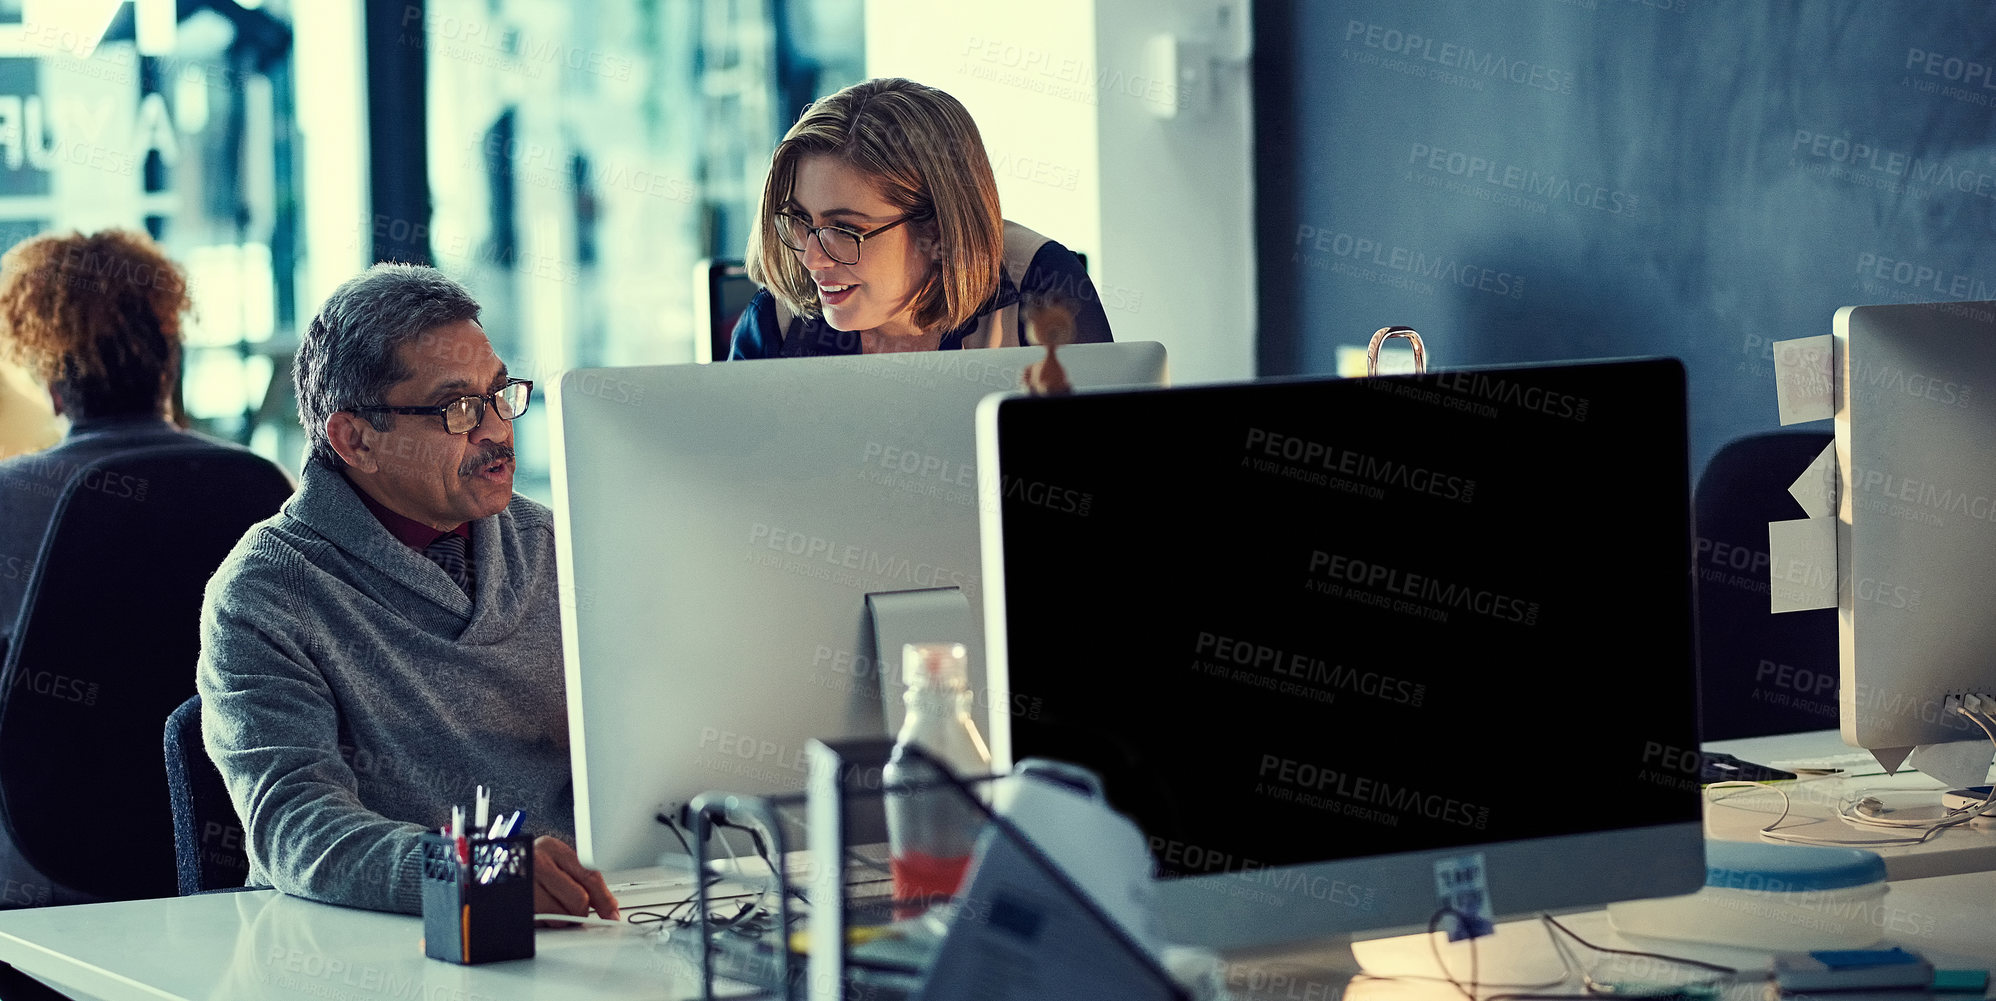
x=880, y=231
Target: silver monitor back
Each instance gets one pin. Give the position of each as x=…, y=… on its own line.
x=1916, y=409
x=718, y=530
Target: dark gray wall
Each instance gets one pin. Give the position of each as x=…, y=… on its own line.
x=1538, y=179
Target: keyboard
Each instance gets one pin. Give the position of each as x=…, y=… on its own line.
x=666, y=885
x=1846, y=763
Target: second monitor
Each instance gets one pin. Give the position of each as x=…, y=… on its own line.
x=1349, y=651
x=721, y=532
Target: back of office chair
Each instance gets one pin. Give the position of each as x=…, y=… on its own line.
x=1758, y=673
x=105, y=649
x=208, y=844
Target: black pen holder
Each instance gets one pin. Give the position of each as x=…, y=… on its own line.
x=478, y=907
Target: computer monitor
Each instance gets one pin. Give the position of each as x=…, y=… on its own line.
x=1334, y=643
x=1916, y=406
x=722, y=289
x=721, y=533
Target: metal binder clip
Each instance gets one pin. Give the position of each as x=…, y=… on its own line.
x=1386, y=333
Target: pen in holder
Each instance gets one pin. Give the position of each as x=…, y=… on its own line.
x=478, y=899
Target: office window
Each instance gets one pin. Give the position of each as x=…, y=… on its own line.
x=173, y=118
x=584, y=157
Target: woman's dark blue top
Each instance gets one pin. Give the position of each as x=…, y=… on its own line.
x=1054, y=272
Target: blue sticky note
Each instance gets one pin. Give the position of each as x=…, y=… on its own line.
x=1462, y=888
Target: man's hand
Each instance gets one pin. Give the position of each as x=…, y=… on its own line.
x=563, y=885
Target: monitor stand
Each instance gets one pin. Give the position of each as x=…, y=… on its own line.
x=1322, y=968
x=926, y=615
x=1399, y=964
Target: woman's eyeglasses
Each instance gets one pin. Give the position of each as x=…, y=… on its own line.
x=840, y=244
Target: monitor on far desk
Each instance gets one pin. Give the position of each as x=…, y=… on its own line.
x=722, y=291
x=1334, y=644
x=721, y=531
x=1916, y=408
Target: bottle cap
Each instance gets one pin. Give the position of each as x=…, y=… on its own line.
x=934, y=664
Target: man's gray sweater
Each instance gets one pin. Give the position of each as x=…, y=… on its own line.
x=351, y=693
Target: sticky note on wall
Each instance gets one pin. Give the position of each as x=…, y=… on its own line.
x=1816, y=488
x=1804, y=380
x=1802, y=573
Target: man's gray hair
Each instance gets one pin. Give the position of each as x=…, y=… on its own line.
x=347, y=357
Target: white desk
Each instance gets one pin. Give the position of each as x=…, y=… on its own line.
x=1948, y=921
x=261, y=944
x=1812, y=804
x=265, y=945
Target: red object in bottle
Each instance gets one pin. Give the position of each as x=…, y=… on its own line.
x=932, y=822
x=922, y=881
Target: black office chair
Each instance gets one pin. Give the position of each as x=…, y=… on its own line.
x=1759, y=673
x=208, y=842
x=105, y=649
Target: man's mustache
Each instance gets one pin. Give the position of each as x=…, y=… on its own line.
x=472, y=466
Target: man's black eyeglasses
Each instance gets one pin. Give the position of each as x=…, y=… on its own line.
x=841, y=244
x=467, y=412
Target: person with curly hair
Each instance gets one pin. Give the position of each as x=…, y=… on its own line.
x=97, y=320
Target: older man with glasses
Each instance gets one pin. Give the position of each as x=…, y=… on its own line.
x=391, y=640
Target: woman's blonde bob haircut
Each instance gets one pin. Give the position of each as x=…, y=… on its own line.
x=922, y=152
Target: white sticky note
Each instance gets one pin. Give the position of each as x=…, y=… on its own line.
x=1816, y=488
x=1805, y=385
x=1802, y=571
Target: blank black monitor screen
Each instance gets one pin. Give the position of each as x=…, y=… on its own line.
x=1298, y=621
x=729, y=291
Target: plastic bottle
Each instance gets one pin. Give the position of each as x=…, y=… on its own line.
x=931, y=831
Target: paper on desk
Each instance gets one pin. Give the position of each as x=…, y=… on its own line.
x=1816, y=488
x=1805, y=386
x=1802, y=567
x=1957, y=763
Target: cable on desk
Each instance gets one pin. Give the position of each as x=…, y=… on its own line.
x=672, y=824
x=1773, y=832
x=1952, y=818
x=747, y=914
x=647, y=916
x=1595, y=990
x=1593, y=987
x=1850, y=809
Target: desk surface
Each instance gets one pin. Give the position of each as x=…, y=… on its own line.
x=1812, y=804
x=262, y=944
